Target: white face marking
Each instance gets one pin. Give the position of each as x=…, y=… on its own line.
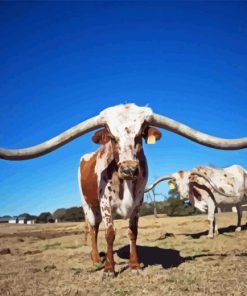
x=125, y=122
x=182, y=184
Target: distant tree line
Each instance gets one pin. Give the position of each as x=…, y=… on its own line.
x=171, y=206
x=74, y=214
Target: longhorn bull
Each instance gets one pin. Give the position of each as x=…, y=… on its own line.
x=114, y=177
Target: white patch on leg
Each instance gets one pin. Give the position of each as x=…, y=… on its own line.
x=89, y=214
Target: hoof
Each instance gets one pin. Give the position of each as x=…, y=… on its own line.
x=238, y=229
x=210, y=236
x=108, y=275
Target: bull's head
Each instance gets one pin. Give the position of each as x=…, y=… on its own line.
x=181, y=181
x=125, y=128
x=118, y=121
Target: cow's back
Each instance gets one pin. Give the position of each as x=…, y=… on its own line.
x=229, y=181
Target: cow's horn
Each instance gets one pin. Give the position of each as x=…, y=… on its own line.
x=54, y=143
x=157, y=181
x=196, y=136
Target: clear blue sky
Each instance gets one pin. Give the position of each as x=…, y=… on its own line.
x=63, y=62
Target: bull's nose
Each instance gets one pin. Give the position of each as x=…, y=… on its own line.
x=129, y=171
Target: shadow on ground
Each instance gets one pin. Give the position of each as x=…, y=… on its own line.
x=223, y=230
x=167, y=258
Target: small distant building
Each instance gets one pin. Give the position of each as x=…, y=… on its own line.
x=22, y=220
x=30, y=221
x=13, y=220
x=4, y=220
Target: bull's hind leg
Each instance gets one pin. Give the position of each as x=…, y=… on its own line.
x=211, y=217
x=94, y=237
x=239, y=212
x=93, y=218
x=132, y=233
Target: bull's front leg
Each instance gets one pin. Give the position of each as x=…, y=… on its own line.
x=132, y=233
x=105, y=205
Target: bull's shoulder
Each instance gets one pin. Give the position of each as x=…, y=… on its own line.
x=87, y=157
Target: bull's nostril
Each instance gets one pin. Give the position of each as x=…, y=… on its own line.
x=130, y=171
x=125, y=171
x=135, y=171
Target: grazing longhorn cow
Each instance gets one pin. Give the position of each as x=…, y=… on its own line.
x=207, y=187
x=114, y=177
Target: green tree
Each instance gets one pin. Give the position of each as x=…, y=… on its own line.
x=74, y=214
x=59, y=214
x=45, y=217
x=28, y=216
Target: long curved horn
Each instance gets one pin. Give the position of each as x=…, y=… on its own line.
x=54, y=143
x=157, y=181
x=212, y=184
x=196, y=136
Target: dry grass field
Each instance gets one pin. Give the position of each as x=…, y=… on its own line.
x=53, y=259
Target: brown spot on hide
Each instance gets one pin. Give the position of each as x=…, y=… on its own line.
x=193, y=178
x=127, y=130
x=89, y=182
x=221, y=189
x=225, y=175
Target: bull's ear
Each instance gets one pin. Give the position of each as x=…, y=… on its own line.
x=151, y=135
x=172, y=184
x=101, y=137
